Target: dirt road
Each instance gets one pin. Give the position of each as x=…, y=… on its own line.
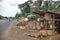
x=13, y=33
x=4, y=25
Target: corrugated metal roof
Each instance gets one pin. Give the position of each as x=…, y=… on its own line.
x=49, y=11
x=58, y=12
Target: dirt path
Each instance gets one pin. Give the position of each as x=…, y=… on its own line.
x=13, y=33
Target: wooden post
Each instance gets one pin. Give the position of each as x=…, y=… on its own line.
x=53, y=23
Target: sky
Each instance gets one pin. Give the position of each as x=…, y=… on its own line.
x=10, y=7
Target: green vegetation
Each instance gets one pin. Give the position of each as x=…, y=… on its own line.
x=1, y=17
x=17, y=15
x=51, y=5
x=4, y=17
x=26, y=9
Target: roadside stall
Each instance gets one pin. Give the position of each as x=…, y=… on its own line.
x=46, y=25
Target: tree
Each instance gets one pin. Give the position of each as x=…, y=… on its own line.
x=1, y=17
x=17, y=15
x=50, y=5
x=6, y=17
x=40, y=5
x=24, y=7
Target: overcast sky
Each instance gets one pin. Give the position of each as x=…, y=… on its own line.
x=10, y=7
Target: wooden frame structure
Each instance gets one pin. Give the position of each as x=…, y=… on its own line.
x=47, y=25
x=51, y=16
